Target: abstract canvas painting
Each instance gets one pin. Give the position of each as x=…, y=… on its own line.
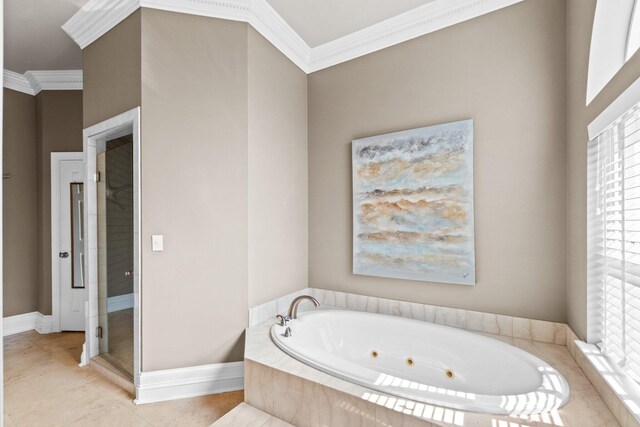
x=413, y=204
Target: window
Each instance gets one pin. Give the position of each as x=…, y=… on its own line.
x=633, y=38
x=614, y=241
x=615, y=37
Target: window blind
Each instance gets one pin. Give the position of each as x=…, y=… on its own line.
x=614, y=241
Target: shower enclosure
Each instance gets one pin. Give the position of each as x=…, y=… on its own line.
x=116, y=254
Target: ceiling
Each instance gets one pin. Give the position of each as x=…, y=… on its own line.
x=33, y=37
x=35, y=41
x=321, y=21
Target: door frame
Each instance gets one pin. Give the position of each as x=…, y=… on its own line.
x=56, y=158
x=94, y=142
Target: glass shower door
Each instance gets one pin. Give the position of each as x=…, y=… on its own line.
x=115, y=253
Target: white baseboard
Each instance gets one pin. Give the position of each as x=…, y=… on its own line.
x=83, y=356
x=170, y=384
x=44, y=323
x=20, y=323
x=27, y=322
x=121, y=302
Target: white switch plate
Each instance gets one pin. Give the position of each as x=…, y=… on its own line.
x=157, y=243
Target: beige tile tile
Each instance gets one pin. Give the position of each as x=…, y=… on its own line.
x=26, y=394
x=275, y=422
x=243, y=415
x=474, y=321
x=200, y=411
x=450, y=317
x=402, y=416
x=45, y=389
x=295, y=400
x=81, y=405
x=7, y=421
x=112, y=389
x=418, y=311
x=21, y=338
x=632, y=421
x=13, y=346
x=341, y=409
x=127, y=385
x=29, y=363
x=505, y=325
x=341, y=299
x=521, y=328
x=111, y=416
x=539, y=330
x=259, y=380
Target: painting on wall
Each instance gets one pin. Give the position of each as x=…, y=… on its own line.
x=413, y=204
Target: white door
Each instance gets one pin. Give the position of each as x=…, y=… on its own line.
x=71, y=276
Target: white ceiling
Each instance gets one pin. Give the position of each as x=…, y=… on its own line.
x=33, y=37
x=321, y=21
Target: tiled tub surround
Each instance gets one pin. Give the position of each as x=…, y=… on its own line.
x=618, y=391
x=422, y=361
x=496, y=324
x=269, y=310
x=296, y=393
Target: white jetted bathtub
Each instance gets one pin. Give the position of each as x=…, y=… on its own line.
x=424, y=362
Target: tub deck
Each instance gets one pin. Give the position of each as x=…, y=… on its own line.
x=284, y=387
x=248, y=416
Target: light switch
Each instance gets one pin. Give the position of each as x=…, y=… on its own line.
x=157, y=243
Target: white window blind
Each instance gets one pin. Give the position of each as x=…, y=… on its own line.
x=614, y=241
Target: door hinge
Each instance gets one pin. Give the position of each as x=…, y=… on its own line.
x=97, y=177
x=99, y=332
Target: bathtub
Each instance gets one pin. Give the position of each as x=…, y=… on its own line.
x=424, y=362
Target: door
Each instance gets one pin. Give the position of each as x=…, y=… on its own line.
x=114, y=193
x=71, y=252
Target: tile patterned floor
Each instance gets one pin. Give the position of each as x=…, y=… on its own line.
x=45, y=387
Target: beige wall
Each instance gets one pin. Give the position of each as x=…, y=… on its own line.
x=194, y=189
x=580, y=15
x=505, y=70
x=58, y=129
x=112, y=72
x=20, y=200
x=278, y=173
x=224, y=174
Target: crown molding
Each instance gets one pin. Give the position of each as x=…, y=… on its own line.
x=265, y=20
x=258, y=13
x=99, y=16
x=17, y=82
x=423, y=20
x=55, y=80
x=33, y=82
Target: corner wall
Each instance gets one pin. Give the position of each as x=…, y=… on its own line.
x=216, y=181
x=505, y=70
x=194, y=189
x=278, y=173
x=112, y=72
x=20, y=201
x=59, y=129
x=579, y=24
